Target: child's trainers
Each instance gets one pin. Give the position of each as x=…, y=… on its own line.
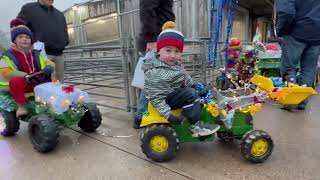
x=200, y=129
x=215, y=127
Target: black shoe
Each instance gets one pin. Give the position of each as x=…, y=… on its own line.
x=7, y=133
x=136, y=123
x=301, y=108
x=288, y=107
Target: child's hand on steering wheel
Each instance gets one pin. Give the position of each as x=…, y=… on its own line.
x=204, y=88
x=39, y=77
x=32, y=78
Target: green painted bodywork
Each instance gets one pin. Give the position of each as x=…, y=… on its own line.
x=68, y=118
x=269, y=67
x=271, y=63
x=239, y=128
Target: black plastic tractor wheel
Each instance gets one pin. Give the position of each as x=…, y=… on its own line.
x=159, y=143
x=256, y=146
x=11, y=121
x=43, y=133
x=91, y=120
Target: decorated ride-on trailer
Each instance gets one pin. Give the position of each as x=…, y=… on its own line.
x=52, y=105
x=287, y=94
x=160, y=140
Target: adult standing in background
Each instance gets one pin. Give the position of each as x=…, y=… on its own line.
x=48, y=25
x=153, y=14
x=298, y=23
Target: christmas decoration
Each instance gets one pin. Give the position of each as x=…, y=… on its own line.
x=246, y=65
x=59, y=96
x=7, y=103
x=213, y=110
x=68, y=88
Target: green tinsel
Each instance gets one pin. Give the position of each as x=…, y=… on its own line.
x=68, y=118
x=7, y=103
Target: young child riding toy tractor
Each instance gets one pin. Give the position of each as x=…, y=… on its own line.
x=181, y=111
x=168, y=86
x=27, y=93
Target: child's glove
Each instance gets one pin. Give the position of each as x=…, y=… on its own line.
x=205, y=90
x=28, y=79
x=174, y=119
x=202, y=89
x=32, y=78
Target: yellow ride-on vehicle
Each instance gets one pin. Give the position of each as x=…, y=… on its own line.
x=291, y=94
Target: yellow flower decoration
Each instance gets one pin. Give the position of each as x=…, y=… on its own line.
x=224, y=113
x=253, y=109
x=243, y=110
x=213, y=110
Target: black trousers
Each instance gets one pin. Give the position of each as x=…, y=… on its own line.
x=188, y=99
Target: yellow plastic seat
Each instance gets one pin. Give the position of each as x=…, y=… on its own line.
x=154, y=117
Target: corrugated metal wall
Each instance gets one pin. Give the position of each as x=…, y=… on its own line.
x=191, y=17
x=84, y=22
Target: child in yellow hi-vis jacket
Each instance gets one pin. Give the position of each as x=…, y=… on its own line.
x=16, y=66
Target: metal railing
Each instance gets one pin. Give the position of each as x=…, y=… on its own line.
x=105, y=69
x=98, y=69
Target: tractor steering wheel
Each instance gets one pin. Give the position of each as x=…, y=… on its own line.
x=39, y=77
x=35, y=78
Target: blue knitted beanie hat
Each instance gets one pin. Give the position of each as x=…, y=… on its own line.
x=18, y=26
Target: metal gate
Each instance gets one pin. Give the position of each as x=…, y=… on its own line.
x=105, y=69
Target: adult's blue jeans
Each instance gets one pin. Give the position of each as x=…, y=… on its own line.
x=142, y=105
x=299, y=57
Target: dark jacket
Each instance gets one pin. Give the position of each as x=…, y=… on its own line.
x=300, y=19
x=153, y=14
x=48, y=25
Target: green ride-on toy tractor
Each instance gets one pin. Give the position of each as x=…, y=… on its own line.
x=50, y=107
x=160, y=140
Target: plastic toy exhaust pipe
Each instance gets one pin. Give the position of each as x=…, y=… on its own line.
x=291, y=95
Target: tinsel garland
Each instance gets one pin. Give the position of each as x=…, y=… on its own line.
x=7, y=103
x=71, y=116
x=231, y=16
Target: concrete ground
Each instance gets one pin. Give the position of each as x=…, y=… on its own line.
x=113, y=152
